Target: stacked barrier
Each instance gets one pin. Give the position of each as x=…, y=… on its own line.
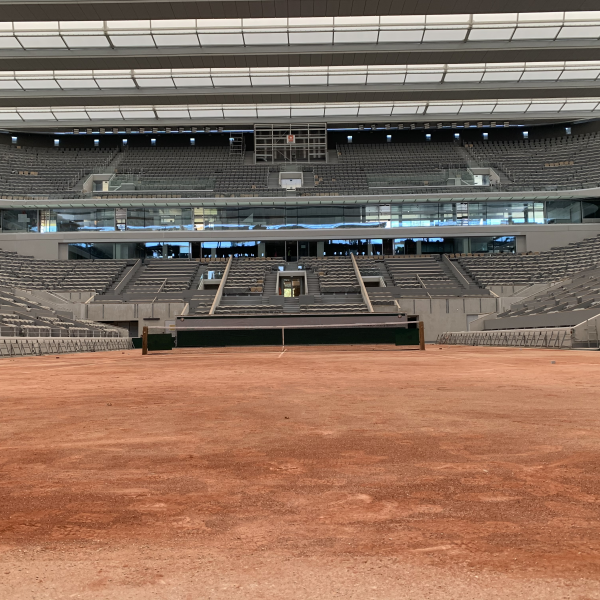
x=38, y=346
x=556, y=337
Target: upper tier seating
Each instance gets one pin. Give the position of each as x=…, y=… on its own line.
x=75, y=275
x=48, y=170
x=563, y=163
x=539, y=267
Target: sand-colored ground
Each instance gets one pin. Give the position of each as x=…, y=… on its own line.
x=469, y=473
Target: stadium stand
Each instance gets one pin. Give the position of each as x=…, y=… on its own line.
x=581, y=292
x=563, y=163
x=25, y=317
x=48, y=170
x=538, y=267
x=82, y=275
x=567, y=162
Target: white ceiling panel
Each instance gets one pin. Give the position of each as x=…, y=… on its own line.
x=176, y=40
x=152, y=82
x=41, y=42
x=350, y=110
x=86, y=41
x=206, y=112
x=77, y=84
x=115, y=83
x=273, y=112
x=311, y=37
x=37, y=115
x=193, y=81
x=262, y=39
x=516, y=107
x=275, y=80
x=355, y=37
x=132, y=41
x=413, y=36
x=9, y=84
x=444, y=35
x=173, y=114
x=221, y=39
x=230, y=81
x=137, y=114
x=72, y=115
x=464, y=77
x=491, y=35
x=39, y=84
x=308, y=79
x=10, y=43
x=536, y=33
x=543, y=107
x=347, y=79
x=540, y=75
x=423, y=77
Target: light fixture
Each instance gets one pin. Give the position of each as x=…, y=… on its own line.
x=88, y=131
x=142, y=130
x=479, y=123
x=181, y=129
x=102, y=131
x=506, y=124
x=115, y=130
x=127, y=129
x=220, y=129
x=194, y=129
x=155, y=130
x=374, y=127
x=400, y=125
x=467, y=124
x=75, y=131
x=440, y=125
x=207, y=130
x=387, y=126
x=361, y=127
x=493, y=124
x=167, y=130
x=426, y=125
x=413, y=126
x=454, y=125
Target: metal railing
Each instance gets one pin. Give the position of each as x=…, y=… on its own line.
x=39, y=346
x=556, y=337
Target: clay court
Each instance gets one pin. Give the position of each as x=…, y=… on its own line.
x=313, y=473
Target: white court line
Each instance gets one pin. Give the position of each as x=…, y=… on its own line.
x=282, y=353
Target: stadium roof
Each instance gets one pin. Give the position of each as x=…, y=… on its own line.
x=348, y=58
x=90, y=10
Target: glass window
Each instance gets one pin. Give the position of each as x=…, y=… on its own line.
x=591, y=211
x=262, y=217
x=563, y=211
x=97, y=250
x=20, y=220
x=160, y=219
x=85, y=219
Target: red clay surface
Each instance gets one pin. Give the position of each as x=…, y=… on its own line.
x=314, y=473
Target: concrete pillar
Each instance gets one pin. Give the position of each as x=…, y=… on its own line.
x=261, y=249
x=320, y=248
x=521, y=243
x=419, y=247
x=369, y=248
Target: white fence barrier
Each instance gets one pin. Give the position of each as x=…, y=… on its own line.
x=556, y=337
x=39, y=346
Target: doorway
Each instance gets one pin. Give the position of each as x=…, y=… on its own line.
x=291, y=287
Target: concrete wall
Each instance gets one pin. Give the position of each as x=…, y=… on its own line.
x=152, y=315
x=446, y=314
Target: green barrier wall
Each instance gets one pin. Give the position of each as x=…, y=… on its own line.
x=298, y=337
x=228, y=337
x=156, y=341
